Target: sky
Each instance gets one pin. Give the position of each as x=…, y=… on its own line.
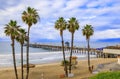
x=103, y=15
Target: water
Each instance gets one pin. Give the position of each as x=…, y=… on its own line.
x=6, y=54
x=5, y=48
x=37, y=55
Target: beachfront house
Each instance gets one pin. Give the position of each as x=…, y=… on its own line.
x=111, y=51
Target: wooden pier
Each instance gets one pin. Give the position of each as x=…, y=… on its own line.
x=93, y=51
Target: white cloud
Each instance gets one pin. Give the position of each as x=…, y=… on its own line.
x=73, y=4
x=44, y=31
x=49, y=10
x=111, y=33
x=2, y=35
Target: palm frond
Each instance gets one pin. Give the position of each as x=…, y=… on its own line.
x=72, y=25
x=30, y=16
x=88, y=31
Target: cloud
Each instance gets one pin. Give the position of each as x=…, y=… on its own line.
x=103, y=15
x=111, y=33
x=73, y=4
x=45, y=32
x=8, y=3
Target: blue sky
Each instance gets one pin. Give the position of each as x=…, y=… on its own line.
x=103, y=15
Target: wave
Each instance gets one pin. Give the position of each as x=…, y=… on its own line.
x=38, y=57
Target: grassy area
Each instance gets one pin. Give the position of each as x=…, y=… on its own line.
x=107, y=75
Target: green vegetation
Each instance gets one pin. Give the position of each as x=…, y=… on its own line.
x=73, y=25
x=11, y=30
x=87, y=32
x=65, y=62
x=107, y=75
x=16, y=34
x=61, y=24
x=21, y=38
x=30, y=17
x=112, y=47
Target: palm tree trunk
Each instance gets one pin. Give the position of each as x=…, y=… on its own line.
x=27, y=54
x=65, y=65
x=71, y=52
x=88, y=55
x=22, y=61
x=14, y=59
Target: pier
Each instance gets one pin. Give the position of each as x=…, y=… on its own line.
x=92, y=51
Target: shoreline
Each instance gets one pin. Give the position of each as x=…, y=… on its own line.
x=40, y=58
x=54, y=70
x=40, y=65
x=46, y=64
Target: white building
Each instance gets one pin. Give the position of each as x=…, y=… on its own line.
x=113, y=51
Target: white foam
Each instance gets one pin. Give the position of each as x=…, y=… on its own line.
x=39, y=57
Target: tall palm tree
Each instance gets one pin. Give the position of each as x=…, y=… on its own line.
x=60, y=24
x=30, y=17
x=73, y=25
x=11, y=30
x=21, y=38
x=87, y=32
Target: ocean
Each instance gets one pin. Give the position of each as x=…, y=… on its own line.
x=37, y=55
x=6, y=54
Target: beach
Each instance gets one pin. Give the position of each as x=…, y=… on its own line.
x=54, y=70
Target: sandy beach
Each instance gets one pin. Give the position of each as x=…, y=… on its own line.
x=54, y=70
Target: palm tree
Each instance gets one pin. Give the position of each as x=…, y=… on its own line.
x=60, y=24
x=88, y=31
x=30, y=17
x=73, y=25
x=21, y=38
x=11, y=30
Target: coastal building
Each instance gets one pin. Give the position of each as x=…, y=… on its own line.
x=111, y=51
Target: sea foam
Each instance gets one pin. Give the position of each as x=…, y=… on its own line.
x=38, y=57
